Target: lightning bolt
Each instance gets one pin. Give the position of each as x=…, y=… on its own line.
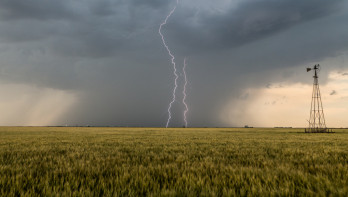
x=173, y=63
x=184, y=93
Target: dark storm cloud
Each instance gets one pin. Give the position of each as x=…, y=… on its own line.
x=257, y=19
x=35, y=9
x=250, y=21
x=152, y=3
x=110, y=52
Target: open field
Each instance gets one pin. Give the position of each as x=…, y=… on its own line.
x=171, y=162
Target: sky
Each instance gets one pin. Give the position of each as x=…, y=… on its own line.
x=102, y=63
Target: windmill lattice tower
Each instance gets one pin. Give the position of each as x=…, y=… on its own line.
x=316, y=119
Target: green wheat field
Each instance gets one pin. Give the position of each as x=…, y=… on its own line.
x=67, y=161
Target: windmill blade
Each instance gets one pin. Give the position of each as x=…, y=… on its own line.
x=309, y=69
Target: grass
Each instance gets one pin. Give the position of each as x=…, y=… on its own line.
x=65, y=161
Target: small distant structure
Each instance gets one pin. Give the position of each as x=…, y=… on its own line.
x=316, y=118
x=247, y=126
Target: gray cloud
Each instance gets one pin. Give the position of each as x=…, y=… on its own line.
x=110, y=52
x=250, y=21
x=34, y=9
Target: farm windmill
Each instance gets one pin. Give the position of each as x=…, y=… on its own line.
x=316, y=119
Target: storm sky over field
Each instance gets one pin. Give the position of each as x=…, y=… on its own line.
x=102, y=62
